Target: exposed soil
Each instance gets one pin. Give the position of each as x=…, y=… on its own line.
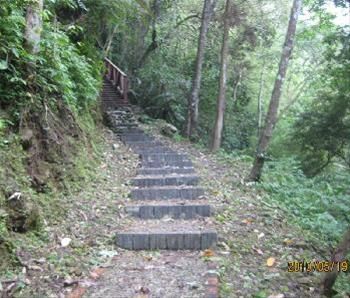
x=164, y=274
x=251, y=232
x=51, y=269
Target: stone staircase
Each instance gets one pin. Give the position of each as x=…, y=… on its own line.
x=169, y=208
x=166, y=187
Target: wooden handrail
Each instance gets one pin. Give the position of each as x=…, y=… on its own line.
x=118, y=78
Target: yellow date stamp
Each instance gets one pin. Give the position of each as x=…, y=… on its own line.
x=319, y=266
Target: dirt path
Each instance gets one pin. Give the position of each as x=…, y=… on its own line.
x=250, y=231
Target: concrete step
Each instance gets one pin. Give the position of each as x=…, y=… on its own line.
x=137, y=137
x=181, y=235
x=133, y=131
x=127, y=126
x=165, y=193
x=165, y=180
x=168, y=163
x=162, y=157
x=153, y=150
x=175, y=211
x=122, y=112
x=109, y=91
x=165, y=171
x=119, y=129
x=144, y=144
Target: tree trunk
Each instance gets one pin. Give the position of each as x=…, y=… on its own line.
x=235, y=88
x=261, y=86
x=193, y=100
x=154, y=43
x=221, y=101
x=271, y=116
x=339, y=255
x=33, y=26
x=108, y=45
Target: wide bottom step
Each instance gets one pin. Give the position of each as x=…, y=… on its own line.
x=175, y=211
x=167, y=192
x=189, y=240
x=165, y=171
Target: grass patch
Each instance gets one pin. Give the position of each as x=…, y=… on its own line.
x=51, y=202
x=320, y=204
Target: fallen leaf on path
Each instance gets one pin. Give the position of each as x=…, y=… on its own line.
x=35, y=268
x=270, y=261
x=148, y=258
x=288, y=241
x=247, y=221
x=305, y=280
x=70, y=282
x=97, y=273
x=276, y=296
x=207, y=253
x=261, y=235
x=225, y=246
x=65, y=242
x=259, y=251
x=108, y=253
x=144, y=290
x=193, y=285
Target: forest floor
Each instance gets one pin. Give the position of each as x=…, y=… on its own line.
x=255, y=240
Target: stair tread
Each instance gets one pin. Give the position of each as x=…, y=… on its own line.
x=172, y=187
x=169, y=202
x=166, y=175
x=168, y=226
x=167, y=168
x=171, y=175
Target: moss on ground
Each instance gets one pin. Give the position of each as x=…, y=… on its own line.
x=22, y=217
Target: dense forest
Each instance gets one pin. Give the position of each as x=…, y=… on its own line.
x=263, y=83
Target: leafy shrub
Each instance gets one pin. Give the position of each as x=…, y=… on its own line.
x=320, y=204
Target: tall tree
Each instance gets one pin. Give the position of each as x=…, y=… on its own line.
x=261, y=86
x=271, y=117
x=193, y=100
x=221, y=101
x=33, y=26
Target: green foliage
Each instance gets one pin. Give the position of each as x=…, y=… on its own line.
x=12, y=83
x=162, y=92
x=64, y=76
x=320, y=204
x=323, y=129
x=63, y=70
x=178, y=138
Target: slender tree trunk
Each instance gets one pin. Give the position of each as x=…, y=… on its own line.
x=235, y=88
x=271, y=117
x=261, y=86
x=154, y=43
x=221, y=101
x=193, y=100
x=33, y=26
x=339, y=255
x=108, y=45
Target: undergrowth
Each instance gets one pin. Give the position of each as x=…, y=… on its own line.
x=52, y=202
x=49, y=143
x=320, y=204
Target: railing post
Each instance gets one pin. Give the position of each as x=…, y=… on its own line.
x=125, y=92
x=119, y=79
